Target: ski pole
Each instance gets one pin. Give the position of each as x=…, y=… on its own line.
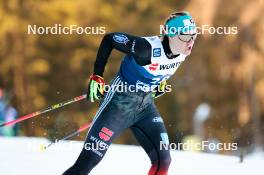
x=84, y=127
x=48, y=109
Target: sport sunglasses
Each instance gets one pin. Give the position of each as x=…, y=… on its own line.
x=187, y=37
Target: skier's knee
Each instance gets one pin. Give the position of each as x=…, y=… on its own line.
x=160, y=158
x=160, y=166
x=165, y=161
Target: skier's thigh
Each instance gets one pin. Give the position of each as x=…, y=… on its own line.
x=105, y=128
x=150, y=133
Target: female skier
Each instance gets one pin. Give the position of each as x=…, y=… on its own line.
x=148, y=63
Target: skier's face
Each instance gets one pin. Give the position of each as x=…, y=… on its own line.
x=182, y=44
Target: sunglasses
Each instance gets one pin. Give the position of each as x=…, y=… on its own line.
x=187, y=37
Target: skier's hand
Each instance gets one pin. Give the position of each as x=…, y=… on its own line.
x=159, y=90
x=95, y=88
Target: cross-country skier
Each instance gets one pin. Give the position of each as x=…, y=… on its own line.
x=148, y=63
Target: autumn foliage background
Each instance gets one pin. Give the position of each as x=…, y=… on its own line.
x=224, y=71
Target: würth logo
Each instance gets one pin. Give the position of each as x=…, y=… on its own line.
x=153, y=66
x=106, y=134
x=169, y=66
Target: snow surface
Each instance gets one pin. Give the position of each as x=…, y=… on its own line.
x=23, y=156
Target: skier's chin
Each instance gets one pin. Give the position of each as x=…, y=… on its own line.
x=187, y=52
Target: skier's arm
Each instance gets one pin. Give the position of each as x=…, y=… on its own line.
x=138, y=47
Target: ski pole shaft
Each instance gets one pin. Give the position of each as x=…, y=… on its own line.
x=84, y=127
x=43, y=111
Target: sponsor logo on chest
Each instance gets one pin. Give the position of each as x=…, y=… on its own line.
x=170, y=66
x=153, y=66
x=157, y=66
